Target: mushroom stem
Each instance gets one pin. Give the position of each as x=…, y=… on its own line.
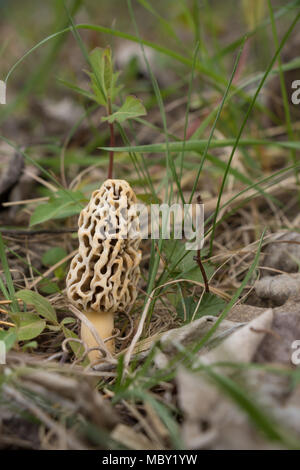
x=104, y=324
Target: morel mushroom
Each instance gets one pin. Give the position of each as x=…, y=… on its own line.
x=104, y=273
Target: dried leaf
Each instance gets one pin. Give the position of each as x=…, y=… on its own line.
x=285, y=329
x=283, y=256
x=188, y=334
x=244, y=313
x=242, y=344
x=278, y=289
x=212, y=420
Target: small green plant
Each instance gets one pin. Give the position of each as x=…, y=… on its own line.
x=105, y=91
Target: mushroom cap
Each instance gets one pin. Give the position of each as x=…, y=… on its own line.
x=104, y=273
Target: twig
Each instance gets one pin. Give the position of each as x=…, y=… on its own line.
x=6, y=323
x=3, y=311
x=50, y=270
x=25, y=201
x=37, y=232
x=199, y=262
x=267, y=331
x=7, y=302
x=112, y=144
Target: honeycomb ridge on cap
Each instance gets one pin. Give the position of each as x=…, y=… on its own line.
x=104, y=273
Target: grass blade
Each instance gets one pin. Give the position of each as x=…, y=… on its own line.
x=284, y=39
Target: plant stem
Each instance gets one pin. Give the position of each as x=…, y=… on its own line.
x=198, y=258
x=199, y=262
x=112, y=143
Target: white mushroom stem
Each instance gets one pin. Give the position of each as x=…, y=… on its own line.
x=104, y=324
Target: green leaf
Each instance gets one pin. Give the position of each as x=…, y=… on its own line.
x=48, y=287
x=42, y=305
x=60, y=272
x=30, y=327
x=199, y=145
x=189, y=269
x=77, y=89
x=96, y=57
x=54, y=327
x=98, y=95
x=186, y=314
x=77, y=348
x=210, y=305
x=62, y=204
x=183, y=262
x=67, y=320
x=103, y=78
x=107, y=71
x=194, y=274
x=9, y=337
x=50, y=258
x=53, y=256
x=174, y=251
x=31, y=344
x=132, y=108
x=9, y=292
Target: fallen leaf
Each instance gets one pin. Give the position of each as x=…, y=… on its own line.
x=283, y=256
x=278, y=289
x=285, y=329
x=189, y=334
x=242, y=344
x=244, y=313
